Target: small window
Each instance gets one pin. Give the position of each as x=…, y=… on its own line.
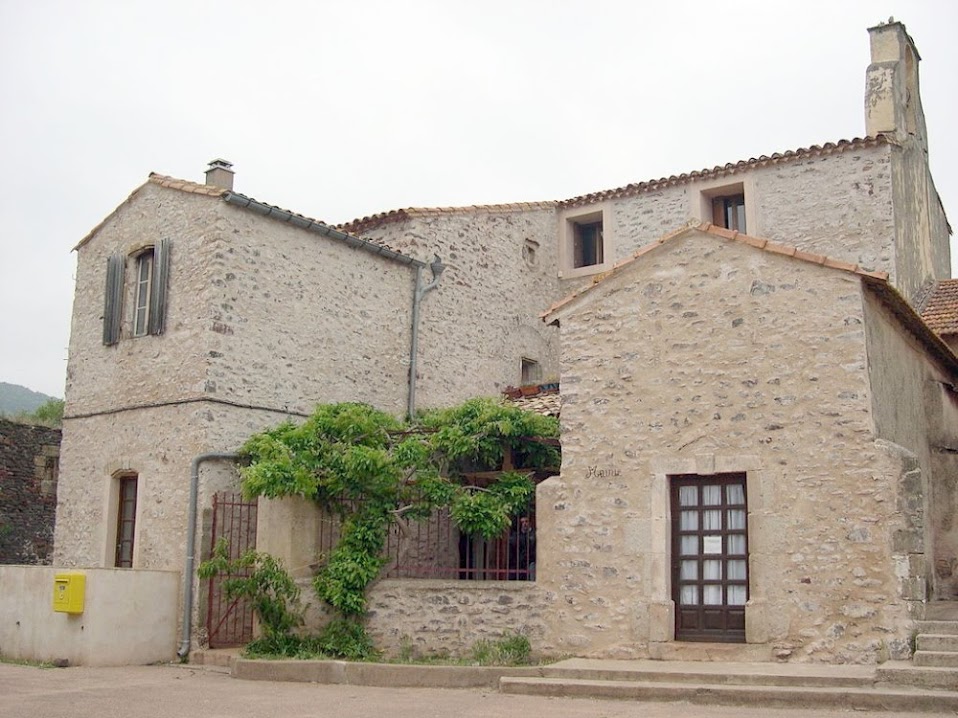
x=144, y=285
x=729, y=212
x=125, y=522
x=151, y=269
x=531, y=372
x=587, y=244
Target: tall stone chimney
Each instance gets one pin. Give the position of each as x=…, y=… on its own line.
x=892, y=101
x=220, y=174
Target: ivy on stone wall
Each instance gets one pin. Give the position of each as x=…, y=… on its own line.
x=373, y=470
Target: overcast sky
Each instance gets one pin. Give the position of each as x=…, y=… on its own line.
x=342, y=109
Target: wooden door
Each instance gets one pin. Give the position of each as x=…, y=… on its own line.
x=709, y=557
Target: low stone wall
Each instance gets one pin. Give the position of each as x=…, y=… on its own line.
x=129, y=617
x=434, y=617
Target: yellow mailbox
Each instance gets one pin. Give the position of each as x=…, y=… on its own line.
x=69, y=590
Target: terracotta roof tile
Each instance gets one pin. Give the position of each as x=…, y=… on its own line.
x=400, y=215
x=546, y=403
x=186, y=185
x=731, y=168
x=940, y=309
x=711, y=229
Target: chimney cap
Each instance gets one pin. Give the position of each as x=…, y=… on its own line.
x=220, y=163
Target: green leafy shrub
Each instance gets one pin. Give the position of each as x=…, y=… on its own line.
x=271, y=591
x=373, y=470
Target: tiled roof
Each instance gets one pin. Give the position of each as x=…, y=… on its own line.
x=829, y=148
x=940, y=309
x=186, y=185
x=162, y=181
x=545, y=403
x=709, y=228
x=400, y=215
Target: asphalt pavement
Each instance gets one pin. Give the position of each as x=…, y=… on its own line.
x=174, y=691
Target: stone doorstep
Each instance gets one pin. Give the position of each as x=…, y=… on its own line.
x=905, y=673
x=936, y=659
x=939, y=628
x=690, y=672
x=834, y=698
x=710, y=652
x=941, y=611
x=946, y=642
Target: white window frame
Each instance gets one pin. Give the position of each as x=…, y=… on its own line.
x=143, y=291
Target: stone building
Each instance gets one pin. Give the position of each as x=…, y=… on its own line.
x=29, y=467
x=202, y=315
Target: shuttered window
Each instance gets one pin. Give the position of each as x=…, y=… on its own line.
x=161, y=275
x=113, y=299
x=150, y=287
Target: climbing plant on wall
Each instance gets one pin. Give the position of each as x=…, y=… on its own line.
x=372, y=470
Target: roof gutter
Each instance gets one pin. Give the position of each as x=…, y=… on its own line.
x=184, y=649
x=297, y=220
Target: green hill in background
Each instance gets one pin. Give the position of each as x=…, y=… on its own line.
x=16, y=399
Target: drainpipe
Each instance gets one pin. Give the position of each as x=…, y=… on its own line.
x=437, y=268
x=184, y=649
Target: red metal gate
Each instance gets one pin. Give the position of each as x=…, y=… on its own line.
x=229, y=622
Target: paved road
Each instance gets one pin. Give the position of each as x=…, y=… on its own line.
x=184, y=692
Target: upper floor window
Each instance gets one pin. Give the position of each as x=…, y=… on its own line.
x=531, y=372
x=587, y=244
x=729, y=212
x=727, y=204
x=151, y=270
x=584, y=240
x=144, y=282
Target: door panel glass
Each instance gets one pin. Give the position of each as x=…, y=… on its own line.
x=687, y=496
x=712, y=495
x=712, y=520
x=689, y=520
x=736, y=595
x=736, y=520
x=712, y=595
x=735, y=494
x=690, y=596
x=690, y=545
x=712, y=570
x=736, y=545
x=690, y=570
x=736, y=570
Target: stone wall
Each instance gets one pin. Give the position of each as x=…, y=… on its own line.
x=916, y=407
x=29, y=468
x=707, y=357
x=483, y=318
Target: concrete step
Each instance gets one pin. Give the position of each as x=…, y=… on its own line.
x=941, y=611
x=935, y=659
x=754, y=674
x=814, y=697
x=215, y=657
x=905, y=673
x=942, y=642
x=938, y=628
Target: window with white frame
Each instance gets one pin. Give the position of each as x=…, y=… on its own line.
x=142, y=291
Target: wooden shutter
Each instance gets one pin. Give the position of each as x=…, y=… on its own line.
x=161, y=275
x=113, y=298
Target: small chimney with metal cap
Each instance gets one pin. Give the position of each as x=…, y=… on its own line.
x=220, y=174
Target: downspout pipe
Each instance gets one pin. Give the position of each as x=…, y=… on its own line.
x=437, y=268
x=184, y=649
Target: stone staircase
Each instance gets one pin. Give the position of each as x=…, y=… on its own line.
x=773, y=685
x=935, y=661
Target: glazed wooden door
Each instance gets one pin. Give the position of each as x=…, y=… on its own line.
x=709, y=557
